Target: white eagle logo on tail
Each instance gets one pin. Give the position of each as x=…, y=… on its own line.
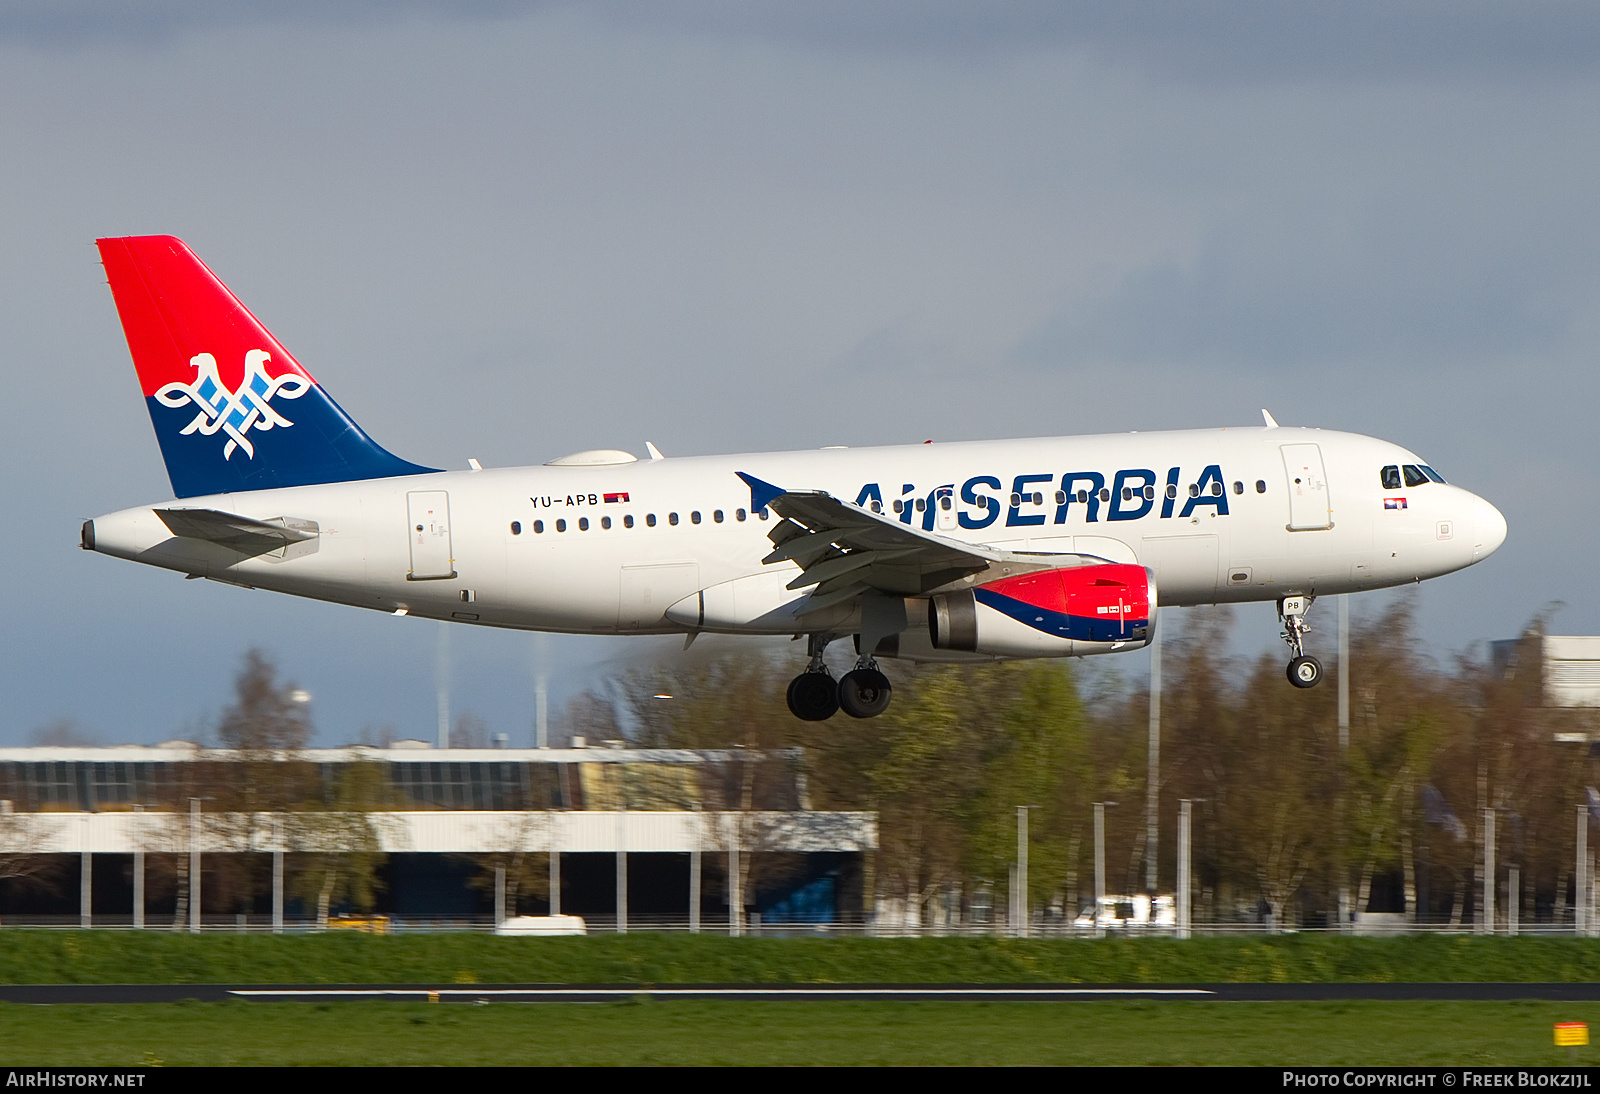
x=234, y=413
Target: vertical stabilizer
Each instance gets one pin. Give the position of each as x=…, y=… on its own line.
x=231, y=408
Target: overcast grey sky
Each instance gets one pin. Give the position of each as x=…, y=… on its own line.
x=510, y=231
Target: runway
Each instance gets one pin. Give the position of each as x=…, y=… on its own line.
x=601, y=993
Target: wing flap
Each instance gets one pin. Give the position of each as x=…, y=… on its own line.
x=846, y=551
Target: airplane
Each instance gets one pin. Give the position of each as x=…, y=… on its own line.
x=965, y=551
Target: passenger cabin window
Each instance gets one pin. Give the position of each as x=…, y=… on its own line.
x=561, y=526
x=1261, y=486
x=716, y=515
x=1238, y=488
x=583, y=524
x=694, y=517
x=605, y=522
x=672, y=518
x=1391, y=477
x=538, y=527
x=739, y=514
x=627, y=522
x=516, y=527
x=650, y=519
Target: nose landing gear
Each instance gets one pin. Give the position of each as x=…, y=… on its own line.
x=1304, y=671
x=863, y=692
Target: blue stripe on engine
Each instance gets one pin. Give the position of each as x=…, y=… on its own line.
x=1079, y=628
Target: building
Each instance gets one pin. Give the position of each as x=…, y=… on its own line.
x=110, y=835
x=1564, y=674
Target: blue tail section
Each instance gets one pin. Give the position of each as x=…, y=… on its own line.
x=232, y=409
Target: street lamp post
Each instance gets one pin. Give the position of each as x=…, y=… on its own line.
x=194, y=865
x=1152, y=791
x=1099, y=860
x=1185, y=830
x=1020, y=904
x=1487, y=924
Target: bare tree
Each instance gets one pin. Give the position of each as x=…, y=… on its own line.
x=23, y=837
x=266, y=716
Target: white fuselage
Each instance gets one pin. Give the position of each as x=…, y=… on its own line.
x=478, y=557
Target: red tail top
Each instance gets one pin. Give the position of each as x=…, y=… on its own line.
x=231, y=409
x=173, y=308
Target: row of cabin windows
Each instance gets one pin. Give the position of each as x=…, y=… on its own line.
x=945, y=502
x=717, y=517
x=1415, y=474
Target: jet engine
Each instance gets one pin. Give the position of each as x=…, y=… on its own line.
x=1048, y=613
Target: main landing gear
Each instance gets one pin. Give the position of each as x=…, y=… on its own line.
x=1304, y=671
x=863, y=692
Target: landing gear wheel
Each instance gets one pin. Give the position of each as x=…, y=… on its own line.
x=864, y=693
x=1305, y=672
x=813, y=697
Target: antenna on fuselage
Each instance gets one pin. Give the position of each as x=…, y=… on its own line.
x=1272, y=423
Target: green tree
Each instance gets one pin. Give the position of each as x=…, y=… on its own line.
x=338, y=840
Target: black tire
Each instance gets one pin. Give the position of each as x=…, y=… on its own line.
x=813, y=697
x=864, y=693
x=1305, y=672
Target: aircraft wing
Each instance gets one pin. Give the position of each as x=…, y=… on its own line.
x=244, y=534
x=844, y=550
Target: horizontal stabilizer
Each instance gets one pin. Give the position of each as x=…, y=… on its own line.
x=244, y=534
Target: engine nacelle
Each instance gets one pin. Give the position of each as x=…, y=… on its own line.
x=1049, y=613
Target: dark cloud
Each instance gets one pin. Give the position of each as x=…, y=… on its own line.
x=73, y=23
x=1211, y=40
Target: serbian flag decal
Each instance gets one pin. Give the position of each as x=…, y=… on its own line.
x=1394, y=503
x=615, y=499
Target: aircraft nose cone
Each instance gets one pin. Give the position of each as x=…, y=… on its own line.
x=1489, y=524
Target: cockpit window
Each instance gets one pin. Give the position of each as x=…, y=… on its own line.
x=1430, y=472
x=1414, y=475
x=1391, y=477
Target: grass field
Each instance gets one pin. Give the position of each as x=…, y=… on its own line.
x=716, y=1032
x=156, y=957
x=813, y=1032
